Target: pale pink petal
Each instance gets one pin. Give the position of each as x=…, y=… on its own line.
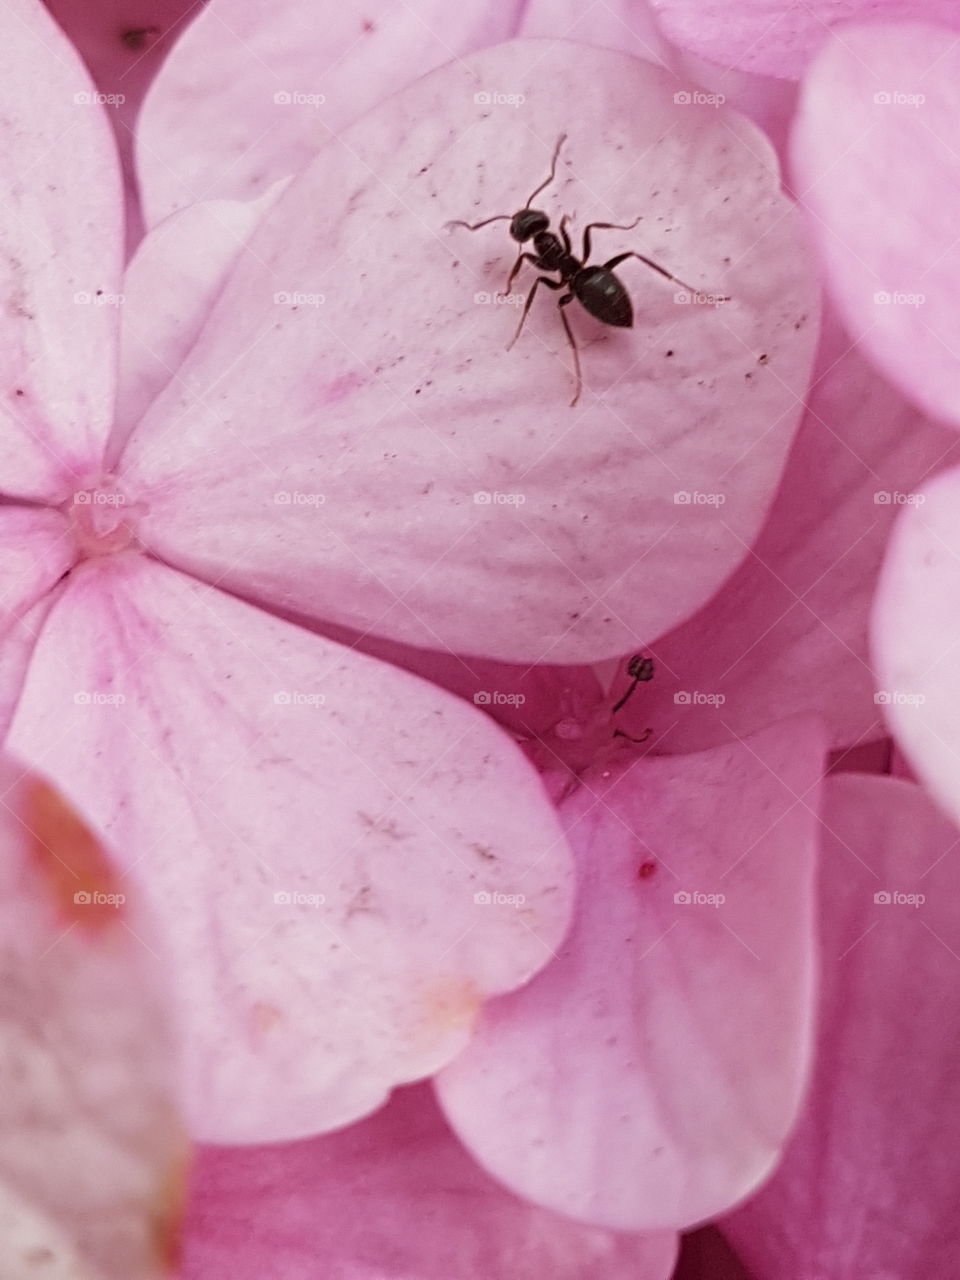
x=169, y=286
x=633, y=27
x=123, y=45
x=648, y=1078
x=869, y=1183
x=37, y=551
x=779, y=37
x=230, y=758
x=92, y=1158
x=251, y=92
x=874, y=149
x=915, y=637
x=349, y=439
x=788, y=633
x=394, y=1195
x=61, y=234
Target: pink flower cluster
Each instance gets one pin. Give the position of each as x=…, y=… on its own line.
x=447, y=830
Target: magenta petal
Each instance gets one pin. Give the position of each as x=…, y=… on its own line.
x=251, y=92
x=357, y=1204
x=915, y=637
x=61, y=243
x=169, y=287
x=874, y=151
x=349, y=439
x=778, y=37
x=869, y=1183
x=649, y=1076
x=312, y=828
x=788, y=633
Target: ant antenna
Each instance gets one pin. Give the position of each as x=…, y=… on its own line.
x=553, y=170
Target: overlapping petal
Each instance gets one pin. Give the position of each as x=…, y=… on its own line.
x=313, y=829
x=915, y=637
x=92, y=1157
x=648, y=1078
x=874, y=152
x=393, y=1195
x=61, y=245
x=788, y=633
x=779, y=37
x=169, y=287
x=869, y=1182
x=250, y=93
x=348, y=439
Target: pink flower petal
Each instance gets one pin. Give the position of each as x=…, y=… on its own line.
x=529, y=700
x=91, y=1154
x=869, y=1182
x=381, y=412
x=649, y=1076
x=61, y=240
x=627, y=25
x=788, y=633
x=874, y=148
x=169, y=287
x=915, y=636
x=778, y=37
x=231, y=758
x=37, y=552
x=356, y=1204
x=250, y=93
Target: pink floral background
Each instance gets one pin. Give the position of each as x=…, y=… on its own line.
x=448, y=831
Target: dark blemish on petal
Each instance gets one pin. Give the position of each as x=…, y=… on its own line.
x=138, y=38
x=368, y=26
x=764, y=359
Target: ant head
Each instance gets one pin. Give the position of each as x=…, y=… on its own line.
x=527, y=223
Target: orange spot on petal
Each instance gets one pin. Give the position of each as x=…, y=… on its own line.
x=82, y=883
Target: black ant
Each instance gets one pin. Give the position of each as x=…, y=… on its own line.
x=596, y=288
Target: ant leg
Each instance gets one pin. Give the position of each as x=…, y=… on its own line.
x=573, y=346
x=475, y=226
x=622, y=257
x=603, y=226
x=553, y=170
x=524, y=257
x=563, y=233
x=551, y=284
